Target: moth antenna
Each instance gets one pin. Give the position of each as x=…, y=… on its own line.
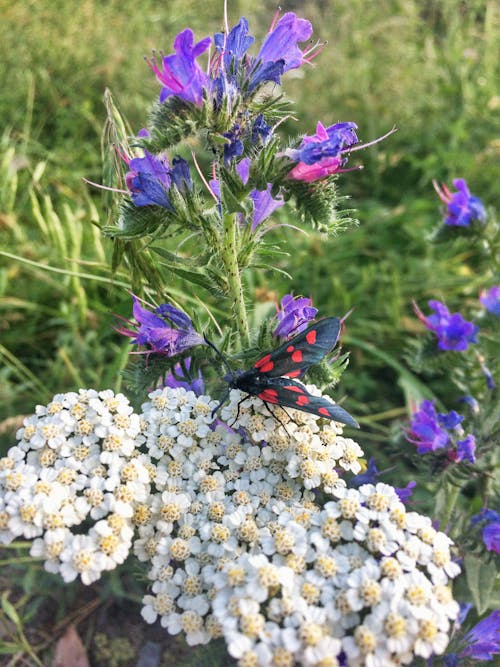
x=221, y=402
x=219, y=354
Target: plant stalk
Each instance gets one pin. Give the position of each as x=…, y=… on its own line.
x=230, y=259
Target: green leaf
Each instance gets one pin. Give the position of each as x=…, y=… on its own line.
x=200, y=279
x=10, y=610
x=172, y=258
x=231, y=204
x=480, y=578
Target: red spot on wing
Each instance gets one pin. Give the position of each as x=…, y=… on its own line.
x=302, y=400
x=265, y=364
x=293, y=374
x=324, y=411
x=311, y=336
x=290, y=348
x=297, y=356
x=292, y=387
x=269, y=396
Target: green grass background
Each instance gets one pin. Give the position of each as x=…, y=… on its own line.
x=429, y=67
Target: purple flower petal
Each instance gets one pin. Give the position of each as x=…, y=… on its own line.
x=264, y=205
x=491, y=299
x=484, y=638
x=294, y=315
x=453, y=332
x=180, y=75
x=281, y=43
x=462, y=208
x=153, y=331
x=177, y=379
x=425, y=431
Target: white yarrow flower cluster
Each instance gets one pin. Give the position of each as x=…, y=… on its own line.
x=313, y=448
x=76, y=466
x=239, y=548
x=245, y=526
x=359, y=577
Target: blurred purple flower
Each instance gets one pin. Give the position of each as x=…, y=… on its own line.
x=462, y=207
x=425, y=429
x=429, y=430
x=295, y=314
x=472, y=403
x=369, y=476
x=491, y=536
x=485, y=515
x=180, y=75
x=404, y=493
x=491, y=299
x=453, y=332
x=178, y=379
x=483, y=641
x=491, y=528
x=324, y=153
x=155, y=331
x=466, y=450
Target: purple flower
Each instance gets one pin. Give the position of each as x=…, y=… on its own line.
x=155, y=331
x=404, y=493
x=181, y=174
x=465, y=450
x=483, y=641
x=472, y=403
x=264, y=203
x=425, y=429
x=491, y=528
x=323, y=153
x=491, y=299
x=149, y=180
x=485, y=515
x=278, y=54
x=491, y=536
x=281, y=42
x=453, y=332
x=368, y=477
x=429, y=430
x=462, y=207
x=450, y=420
x=150, y=177
x=234, y=45
x=177, y=379
x=295, y=314
x=234, y=146
x=261, y=131
x=180, y=75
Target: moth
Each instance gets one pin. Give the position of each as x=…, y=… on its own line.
x=274, y=377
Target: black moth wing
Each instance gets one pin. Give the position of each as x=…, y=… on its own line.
x=289, y=393
x=294, y=357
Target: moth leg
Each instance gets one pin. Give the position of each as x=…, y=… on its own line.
x=275, y=416
x=238, y=409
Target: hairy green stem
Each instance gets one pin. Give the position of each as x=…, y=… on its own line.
x=230, y=259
